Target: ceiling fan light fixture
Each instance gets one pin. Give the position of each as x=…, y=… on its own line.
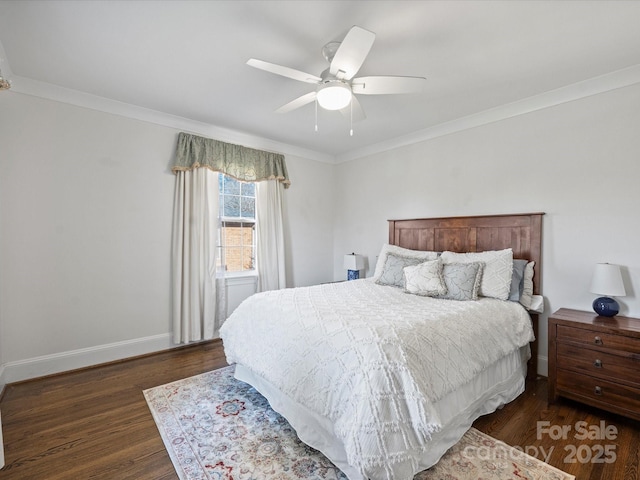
x=334, y=95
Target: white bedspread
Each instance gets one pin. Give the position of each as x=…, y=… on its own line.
x=372, y=359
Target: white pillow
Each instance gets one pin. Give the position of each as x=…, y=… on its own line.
x=498, y=268
x=425, y=279
x=527, y=286
x=405, y=252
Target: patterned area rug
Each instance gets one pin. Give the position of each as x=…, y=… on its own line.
x=216, y=427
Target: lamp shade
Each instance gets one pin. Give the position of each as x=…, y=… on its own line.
x=607, y=280
x=353, y=262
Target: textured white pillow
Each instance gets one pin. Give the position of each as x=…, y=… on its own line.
x=462, y=280
x=393, y=273
x=527, y=286
x=405, y=252
x=498, y=268
x=425, y=279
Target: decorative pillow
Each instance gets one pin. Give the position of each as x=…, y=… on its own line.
x=496, y=276
x=393, y=272
x=386, y=249
x=537, y=304
x=425, y=279
x=462, y=280
x=517, y=280
x=527, y=286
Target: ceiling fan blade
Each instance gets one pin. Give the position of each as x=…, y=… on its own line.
x=284, y=71
x=352, y=52
x=297, y=103
x=386, y=85
x=358, y=112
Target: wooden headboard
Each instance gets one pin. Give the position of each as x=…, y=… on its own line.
x=521, y=232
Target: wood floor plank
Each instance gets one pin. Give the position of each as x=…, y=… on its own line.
x=94, y=424
x=517, y=425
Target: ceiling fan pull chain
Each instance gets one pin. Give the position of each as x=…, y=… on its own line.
x=316, y=114
x=351, y=131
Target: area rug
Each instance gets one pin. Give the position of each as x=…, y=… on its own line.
x=218, y=428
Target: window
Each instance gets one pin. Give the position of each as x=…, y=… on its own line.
x=238, y=224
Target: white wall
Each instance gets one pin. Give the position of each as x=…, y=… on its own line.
x=1, y=446
x=86, y=197
x=85, y=214
x=578, y=162
x=309, y=204
x=2, y=381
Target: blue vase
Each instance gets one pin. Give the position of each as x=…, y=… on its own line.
x=606, y=307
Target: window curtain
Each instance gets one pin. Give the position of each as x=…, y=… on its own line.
x=198, y=288
x=242, y=163
x=270, y=236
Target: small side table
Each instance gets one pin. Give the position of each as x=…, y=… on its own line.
x=595, y=360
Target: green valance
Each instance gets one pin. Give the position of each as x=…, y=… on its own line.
x=242, y=163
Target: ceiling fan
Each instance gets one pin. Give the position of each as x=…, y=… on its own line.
x=336, y=86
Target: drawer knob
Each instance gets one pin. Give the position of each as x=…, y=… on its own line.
x=597, y=340
x=597, y=363
x=597, y=391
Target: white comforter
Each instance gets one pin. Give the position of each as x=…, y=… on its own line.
x=372, y=359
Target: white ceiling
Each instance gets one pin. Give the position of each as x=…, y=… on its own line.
x=188, y=58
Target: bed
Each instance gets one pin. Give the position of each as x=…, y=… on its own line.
x=383, y=381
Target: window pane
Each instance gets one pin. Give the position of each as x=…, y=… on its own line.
x=239, y=252
x=249, y=189
x=233, y=256
x=231, y=206
x=247, y=258
x=248, y=207
x=231, y=186
x=237, y=209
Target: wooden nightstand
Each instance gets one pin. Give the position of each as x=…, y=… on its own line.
x=595, y=360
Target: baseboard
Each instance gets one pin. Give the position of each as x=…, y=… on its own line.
x=3, y=383
x=45, y=365
x=543, y=366
x=61, y=362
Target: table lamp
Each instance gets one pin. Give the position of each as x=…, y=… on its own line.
x=607, y=281
x=353, y=263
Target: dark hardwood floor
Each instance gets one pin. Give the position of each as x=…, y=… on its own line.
x=586, y=442
x=95, y=424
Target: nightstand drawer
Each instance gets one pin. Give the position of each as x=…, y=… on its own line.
x=624, y=367
x=597, y=391
x=599, y=339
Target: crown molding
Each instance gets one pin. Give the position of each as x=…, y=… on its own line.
x=28, y=86
x=593, y=86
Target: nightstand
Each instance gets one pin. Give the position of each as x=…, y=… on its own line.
x=595, y=360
